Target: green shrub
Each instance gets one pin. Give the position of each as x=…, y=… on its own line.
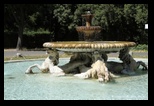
x=143, y=47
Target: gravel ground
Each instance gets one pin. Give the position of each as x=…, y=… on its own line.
x=12, y=52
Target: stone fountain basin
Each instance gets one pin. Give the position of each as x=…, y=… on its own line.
x=89, y=46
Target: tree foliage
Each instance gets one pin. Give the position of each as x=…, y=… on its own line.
x=119, y=21
x=19, y=15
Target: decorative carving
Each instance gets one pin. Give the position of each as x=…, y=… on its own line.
x=49, y=65
x=129, y=64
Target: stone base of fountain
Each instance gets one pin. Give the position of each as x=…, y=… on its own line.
x=98, y=51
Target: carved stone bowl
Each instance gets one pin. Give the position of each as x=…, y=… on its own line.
x=89, y=46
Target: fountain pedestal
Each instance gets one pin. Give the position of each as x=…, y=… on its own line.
x=88, y=32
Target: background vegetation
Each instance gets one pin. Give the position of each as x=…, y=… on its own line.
x=30, y=25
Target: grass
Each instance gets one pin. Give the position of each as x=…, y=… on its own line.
x=140, y=47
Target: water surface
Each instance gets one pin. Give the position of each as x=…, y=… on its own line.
x=44, y=86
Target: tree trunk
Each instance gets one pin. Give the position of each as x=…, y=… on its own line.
x=20, y=38
x=20, y=29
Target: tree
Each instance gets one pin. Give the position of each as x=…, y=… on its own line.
x=19, y=14
x=136, y=16
x=119, y=21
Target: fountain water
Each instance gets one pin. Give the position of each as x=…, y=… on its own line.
x=42, y=86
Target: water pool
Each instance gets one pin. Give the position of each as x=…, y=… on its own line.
x=44, y=86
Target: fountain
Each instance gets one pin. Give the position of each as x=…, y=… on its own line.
x=89, y=40
x=19, y=86
x=89, y=43
x=89, y=50
x=88, y=32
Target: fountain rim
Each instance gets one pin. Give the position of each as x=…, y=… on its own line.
x=89, y=46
